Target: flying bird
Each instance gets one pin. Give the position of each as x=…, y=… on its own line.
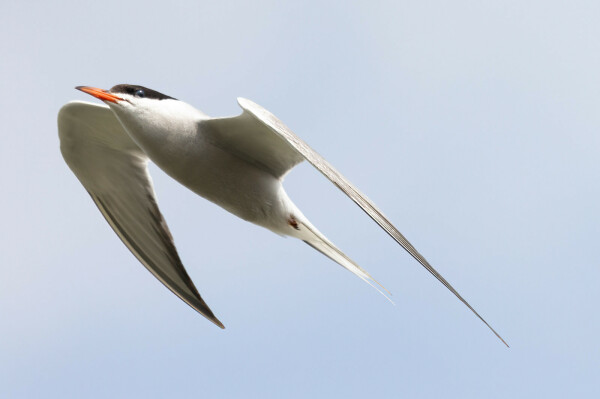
x=238, y=163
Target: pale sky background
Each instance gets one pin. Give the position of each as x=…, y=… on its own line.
x=473, y=125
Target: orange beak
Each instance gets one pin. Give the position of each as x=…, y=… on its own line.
x=99, y=94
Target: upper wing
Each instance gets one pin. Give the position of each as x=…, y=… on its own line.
x=248, y=138
x=268, y=133
x=113, y=170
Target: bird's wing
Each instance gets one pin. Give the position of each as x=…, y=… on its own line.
x=113, y=169
x=257, y=139
x=247, y=137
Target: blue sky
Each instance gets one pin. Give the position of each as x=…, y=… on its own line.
x=474, y=126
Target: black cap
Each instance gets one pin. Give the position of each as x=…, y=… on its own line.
x=133, y=89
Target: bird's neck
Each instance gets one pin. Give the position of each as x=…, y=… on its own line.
x=166, y=139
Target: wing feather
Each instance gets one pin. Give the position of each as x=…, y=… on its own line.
x=244, y=135
x=113, y=169
x=294, y=148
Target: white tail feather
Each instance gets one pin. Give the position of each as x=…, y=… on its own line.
x=319, y=242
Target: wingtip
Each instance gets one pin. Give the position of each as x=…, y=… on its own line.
x=503, y=341
x=205, y=311
x=211, y=317
x=490, y=327
x=218, y=324
x=497, y=335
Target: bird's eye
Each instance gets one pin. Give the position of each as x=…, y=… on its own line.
x=140, y=93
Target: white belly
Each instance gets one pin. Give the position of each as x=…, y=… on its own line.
x=234, y=184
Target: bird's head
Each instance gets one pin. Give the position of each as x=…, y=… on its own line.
x=146, y=111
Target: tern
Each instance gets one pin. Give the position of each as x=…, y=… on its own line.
x=238, y=163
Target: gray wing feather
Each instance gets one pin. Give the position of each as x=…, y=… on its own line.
x=113, y=169
x=295, y=144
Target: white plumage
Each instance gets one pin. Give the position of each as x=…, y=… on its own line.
x=237, y=162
